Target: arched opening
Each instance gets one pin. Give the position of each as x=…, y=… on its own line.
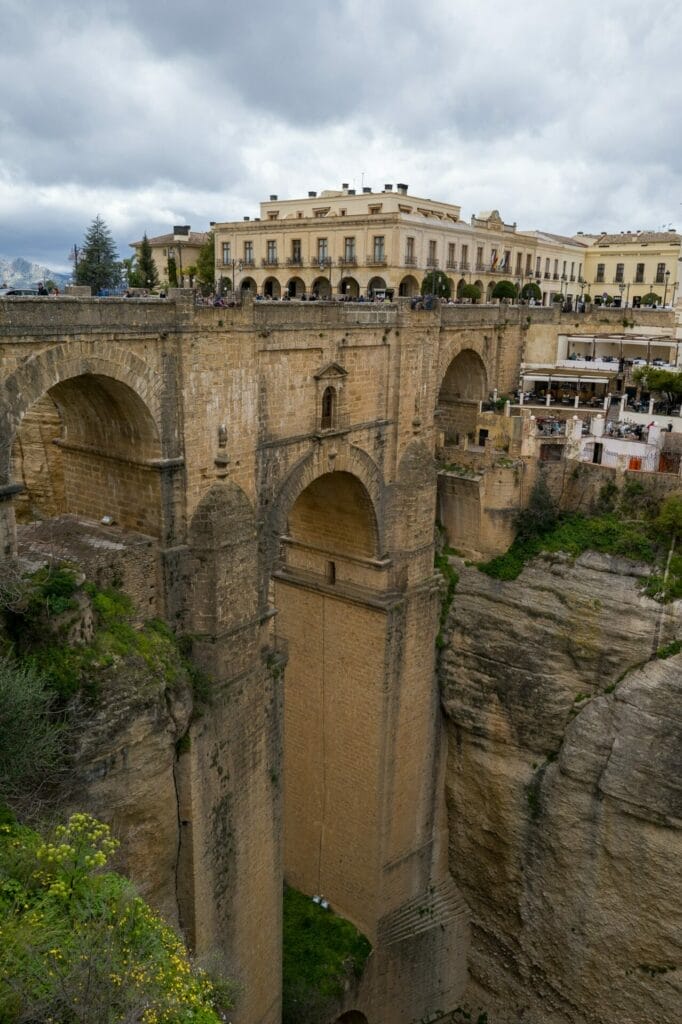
x=330, y=684
x=460, y=285
x=321, y=288
x=295, y=288
x=479, y=285
x=272, y=288
x=350, y=287
x=489, y=291
x=464, y=385
x=376, y=286
x=409, y=286
x=88, y=447
x=248, y=285
x=328, y=408
x=352, y=1017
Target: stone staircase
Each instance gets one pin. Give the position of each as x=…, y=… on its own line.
x=441, y=905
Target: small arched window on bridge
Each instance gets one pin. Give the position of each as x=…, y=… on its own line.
x=328, y=403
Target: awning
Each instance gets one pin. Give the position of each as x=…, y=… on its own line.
x=559, y=379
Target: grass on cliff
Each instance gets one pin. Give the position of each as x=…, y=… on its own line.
x=48, y=605
x=633, y=523
x=321, y=953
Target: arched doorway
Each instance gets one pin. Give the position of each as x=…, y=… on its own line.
x=460, y=285
x=321, y=288
x=409, y=286
x=489, y=291
x=350, y=287
x=464, y=385
x=479, y=285
x=295, y=288
x=376, y=285
x=272, y=288
x=248, y=285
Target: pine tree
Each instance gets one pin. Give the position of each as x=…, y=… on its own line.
x=146, y=271
x=98, y=264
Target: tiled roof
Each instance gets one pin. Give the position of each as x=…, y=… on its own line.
x=635, y=237
x=194, y=238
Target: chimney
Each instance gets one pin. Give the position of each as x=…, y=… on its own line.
x=367, y=190
x=388, y=188
x=247, y=218
x=273, y=199
x=211, y=223
x=181, y=232
x=402, y=189
x=344, y=187
x=312, y=195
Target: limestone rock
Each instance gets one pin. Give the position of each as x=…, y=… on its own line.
x=564, y=794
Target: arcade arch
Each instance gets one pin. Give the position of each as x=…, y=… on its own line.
x=409, y=286
x=322, y=288
x=295, y=288
x=350, y=287
x=248, y=285
x=272, y=288
x=375, y=284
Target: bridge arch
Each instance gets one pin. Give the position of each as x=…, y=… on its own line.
x=352, y=1017
x=464, y=383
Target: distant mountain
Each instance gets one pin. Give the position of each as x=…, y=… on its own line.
x=19, y=273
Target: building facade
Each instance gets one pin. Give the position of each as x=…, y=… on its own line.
x=175, y=254
x=376, y=244
x=630, y=265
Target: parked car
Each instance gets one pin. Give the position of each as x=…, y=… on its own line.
x=17, y=291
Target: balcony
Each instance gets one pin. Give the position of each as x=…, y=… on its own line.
x=294, y=261
x=465, y=265
x=451, y=265
x=269, y=261
x=555, y=277
x=374, y=260
x=599, y=280
x=547, y=275
x=564, y=278
x=432, y=262
x=321, y=261
x=248, y=261
x=538, y=275
x=572, y=277
x=348, y=261
x=481, y=267
x=410, y=261
x=618, y=280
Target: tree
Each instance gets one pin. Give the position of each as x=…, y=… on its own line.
x=172, y=272
x=32, y=737
x=98, y=265
x=505, y=290
x=664, y=382
x=651, y=299
x=557, y=297
x=471, y=291
x=436, y=283
x=146, y=272
x=205, y=267
x=531, y=291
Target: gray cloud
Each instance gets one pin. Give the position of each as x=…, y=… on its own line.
x=561, y=118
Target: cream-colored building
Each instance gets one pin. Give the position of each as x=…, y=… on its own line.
x=629, y=265
x=348, y=243
x=182, y=247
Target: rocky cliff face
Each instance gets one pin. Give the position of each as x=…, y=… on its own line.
x=564, y=793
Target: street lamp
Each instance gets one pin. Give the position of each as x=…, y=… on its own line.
x=665, y=293
x=621, y=289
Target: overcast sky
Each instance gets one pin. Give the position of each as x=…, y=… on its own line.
x=563, y=116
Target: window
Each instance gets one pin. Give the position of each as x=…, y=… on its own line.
x=660, y=273
x=248, y=252
x=432, y=261
x=639, y=273
x=600, y=273
x=272, y=251
x=620, y=272
x=506, y=265
x=556, y=269
x=409, y=251
x=322, y=250
x=529, y=263
x=538, y=263
x=227, y=252
x=519, y=262
x=465, y=257
x=273, y=215
x=547, y=267
x=580, y=271
x=378, y=247
x=479, y=257
x=573, y=271
x=349, y=249
x=451, y=254
x=296, y=250
x=327, y=418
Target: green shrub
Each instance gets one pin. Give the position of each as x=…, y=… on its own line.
x=321, y=952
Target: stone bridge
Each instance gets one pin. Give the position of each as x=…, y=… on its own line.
x=280, y=458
